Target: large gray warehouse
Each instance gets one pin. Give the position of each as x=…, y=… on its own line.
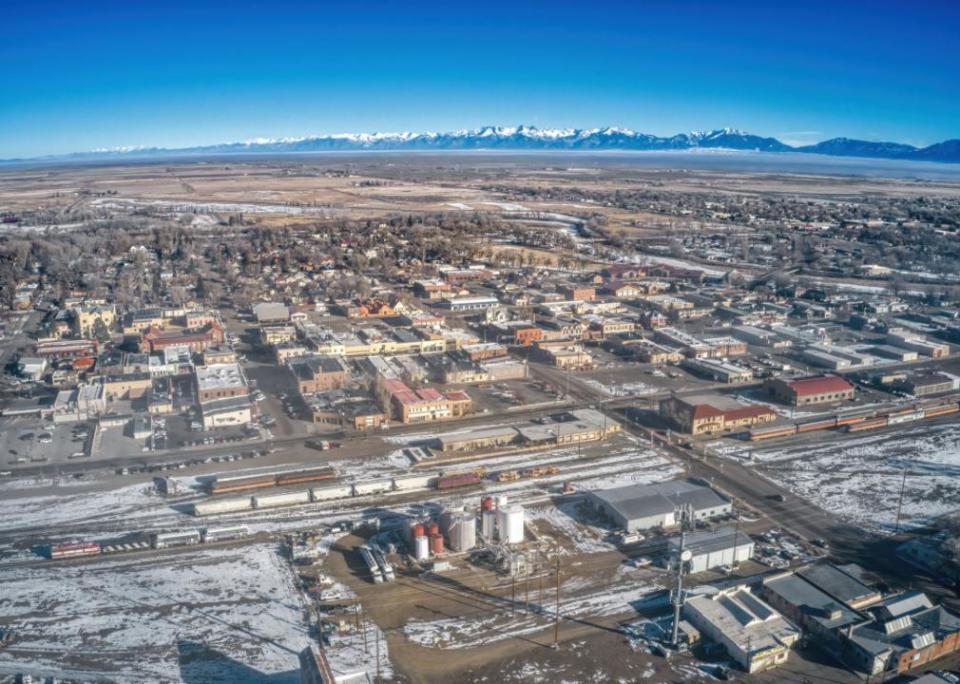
x=645, y=507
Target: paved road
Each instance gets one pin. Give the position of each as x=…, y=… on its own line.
x=351, y=443
x=849, y=543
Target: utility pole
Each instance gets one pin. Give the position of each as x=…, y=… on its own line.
x=736, y=539
x=903, y=485
x=540, y=571
x=378, y=656
x=526, y=592
x=363, y=628
x=556, y=622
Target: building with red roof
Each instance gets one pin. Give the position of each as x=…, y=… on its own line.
x=705, y=414
x=819, y=389
x=423, y=405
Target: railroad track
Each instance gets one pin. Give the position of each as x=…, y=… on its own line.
x=533, y=491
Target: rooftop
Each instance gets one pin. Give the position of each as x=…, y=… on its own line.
x=838, y=583
x=818, y=605
x=641, y=501
x=744, y=619
x=219, y=376
x=819, y=385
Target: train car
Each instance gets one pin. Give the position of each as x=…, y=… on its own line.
x=372, y=487
x=904, y=417
x=73, y=550
x=868, y=424
x=773, y=432
x=941, y=410
x=820, y=424
x=853, y=418
x=285, y=499
x=217, y=506
x=307, y=475
x=215, y=534
x=167, y=540
x=242, y=484
x=459, y=480
x=408, y=483
x=331, y=492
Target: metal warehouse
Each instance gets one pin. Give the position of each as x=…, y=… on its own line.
x=643, y=507
x=714, y=548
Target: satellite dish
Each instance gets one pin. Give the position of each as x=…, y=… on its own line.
x=686, y=555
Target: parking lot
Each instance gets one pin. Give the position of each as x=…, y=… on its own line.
x=29, y=441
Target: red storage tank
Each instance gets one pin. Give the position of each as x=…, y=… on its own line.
x=436, y=545
x=433, y=529
x=487, y=503
x=416, y=530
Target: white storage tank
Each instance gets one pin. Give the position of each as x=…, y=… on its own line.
x=331, y=492
x=421, y=548
x=463, y=532
x=215, y=506
x=287, y=499
x=488, y=524
x=510, y=524
x=502, y=501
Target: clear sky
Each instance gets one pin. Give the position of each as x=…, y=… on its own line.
x=78, y=75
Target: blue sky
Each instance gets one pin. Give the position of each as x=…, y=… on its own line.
x=79, y=76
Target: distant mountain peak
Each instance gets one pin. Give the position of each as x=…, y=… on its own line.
x=528, y=137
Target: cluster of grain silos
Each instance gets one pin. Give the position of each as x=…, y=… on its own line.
x=425, y=540
x=499, y=521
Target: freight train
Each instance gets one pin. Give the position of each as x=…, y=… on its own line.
x=243, y=483
x=856, y=422
x=158, y=540
x=405, y=483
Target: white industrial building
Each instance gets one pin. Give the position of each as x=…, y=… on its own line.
x=753, y=634
x=470, y=303
x=644, y=507
x=32, y=368
x=229, y=412
x=760, y=337
x=714, y=548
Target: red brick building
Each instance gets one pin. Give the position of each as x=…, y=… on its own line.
x=821, y=389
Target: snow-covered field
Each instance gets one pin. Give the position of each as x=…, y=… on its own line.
x=860, y=478
x=211, y=615
x=216, y=207
x=457, y=633
x=120, y=504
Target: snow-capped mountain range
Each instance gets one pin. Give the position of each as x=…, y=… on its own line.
x=533, y=138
